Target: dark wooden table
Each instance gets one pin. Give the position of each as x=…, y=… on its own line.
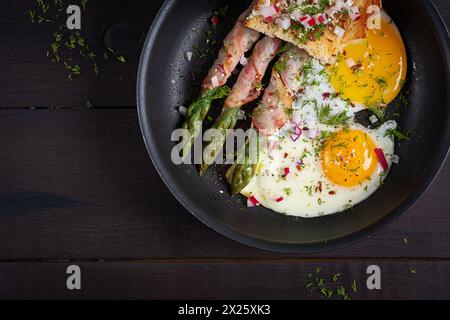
x=77, y=187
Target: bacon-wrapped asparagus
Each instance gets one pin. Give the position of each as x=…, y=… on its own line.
x=247, y=88
x=272, y=113
x=236, y=44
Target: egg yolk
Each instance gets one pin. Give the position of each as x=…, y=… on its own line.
x=372, y=71
x=348, y=158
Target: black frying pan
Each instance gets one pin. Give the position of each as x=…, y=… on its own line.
x=167, y=79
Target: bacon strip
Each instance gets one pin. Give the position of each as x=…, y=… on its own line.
x=248, y=86
x=272, y=113
x=236, y=44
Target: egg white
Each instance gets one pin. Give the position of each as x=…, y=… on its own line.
x=308, y=193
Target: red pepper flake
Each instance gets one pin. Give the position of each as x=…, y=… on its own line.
x=326, y=95
x=280, y=199
x=268, y=19
x=332, y=193
x=215, y=20
x=382, y=159
x=286, y=155
x=286, y=172
x=253, y=200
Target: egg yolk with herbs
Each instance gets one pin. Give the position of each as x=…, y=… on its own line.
x=372, y=71
x=348, y=158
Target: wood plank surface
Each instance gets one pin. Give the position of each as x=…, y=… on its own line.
x=75, y=184
x=188, y=280
x=30, y=79
x=77, y=187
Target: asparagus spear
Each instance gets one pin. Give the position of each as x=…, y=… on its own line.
x=198, y=110
x=235, y=45
x=246, y=89
x=271, y=115
x=240, y=175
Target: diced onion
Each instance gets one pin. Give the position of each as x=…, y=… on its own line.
x=295, y=137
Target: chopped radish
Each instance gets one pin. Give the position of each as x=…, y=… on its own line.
x=215, y=82
x=296, y=15
x=267, y=12
x=396, y=159
x=339, y=32
x=215, y=20
x=308, y=22
x=373, y=119
x=286, y=171
x=319, y=18
x=277, y=10
x=284, y=22
x=382, y=159
x=252, y=201
x=182, y=110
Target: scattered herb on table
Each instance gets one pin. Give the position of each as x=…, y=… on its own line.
x=68, y=47
x=329, y=286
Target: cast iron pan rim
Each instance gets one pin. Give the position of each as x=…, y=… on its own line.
x=227, y=230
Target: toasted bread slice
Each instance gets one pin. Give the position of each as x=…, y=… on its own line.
x=329, y=45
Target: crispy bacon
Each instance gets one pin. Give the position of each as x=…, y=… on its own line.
x=272, y=113
x=236, y=44
x=295, y=59
x=248, y=85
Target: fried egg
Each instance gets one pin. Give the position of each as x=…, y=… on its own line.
x=323, y=162
x=371, y=71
